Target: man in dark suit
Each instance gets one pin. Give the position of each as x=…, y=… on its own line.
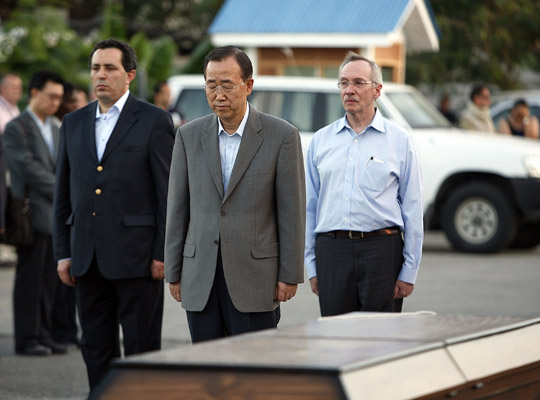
x=110, y=204
x=236, y=208
x=30, y=146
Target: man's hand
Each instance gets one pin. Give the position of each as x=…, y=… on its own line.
x=285, y=291
x=158, y=270
x=64, y=269
x=402, y=289
x=314, y=285
x=174, y=288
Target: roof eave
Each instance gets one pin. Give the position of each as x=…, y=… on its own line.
x=324, y=40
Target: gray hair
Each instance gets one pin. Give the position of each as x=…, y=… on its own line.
x=376, y=74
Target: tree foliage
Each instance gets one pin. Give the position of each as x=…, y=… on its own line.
x=487, y=40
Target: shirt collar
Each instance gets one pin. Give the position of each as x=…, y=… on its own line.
x=36, y=119
x=241, y=127
x=376, y=123
x=119, y=105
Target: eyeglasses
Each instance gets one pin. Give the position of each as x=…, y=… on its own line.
x=357, y=84
x=226, y=87
x=53, y=97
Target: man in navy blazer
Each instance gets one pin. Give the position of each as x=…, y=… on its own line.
x=109, y=211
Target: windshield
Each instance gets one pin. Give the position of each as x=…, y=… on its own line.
x=417, y=111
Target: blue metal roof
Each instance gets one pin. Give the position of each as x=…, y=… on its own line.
x=308, y=16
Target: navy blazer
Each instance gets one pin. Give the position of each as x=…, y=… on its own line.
x=113, y=209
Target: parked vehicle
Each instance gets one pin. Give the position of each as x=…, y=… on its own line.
x=502, y=103
x=482, y=190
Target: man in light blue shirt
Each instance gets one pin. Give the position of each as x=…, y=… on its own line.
x=364, y=225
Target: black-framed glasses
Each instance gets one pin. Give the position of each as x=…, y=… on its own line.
x=226, y=87
x=357, y=84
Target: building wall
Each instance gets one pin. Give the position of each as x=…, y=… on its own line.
x=325, y=62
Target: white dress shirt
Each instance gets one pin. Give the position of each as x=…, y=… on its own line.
x=45, y=129
x=228, y=148
x=105, y=123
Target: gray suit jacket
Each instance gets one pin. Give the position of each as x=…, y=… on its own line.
x=31, y=164
x=259, y=221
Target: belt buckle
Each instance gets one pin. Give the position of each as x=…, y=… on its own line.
x=356, y=237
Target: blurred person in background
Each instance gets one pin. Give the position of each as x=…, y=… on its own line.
x=476, y=116
x=30, y=142
x=162, y=95
x=446, y=110
x=10, y=94
x=74, y=98
x=520, y=122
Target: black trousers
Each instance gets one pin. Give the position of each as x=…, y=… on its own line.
x=64, y=315
x=220, y=318
x=104, y=304
x=34, y=292
x=358, y=274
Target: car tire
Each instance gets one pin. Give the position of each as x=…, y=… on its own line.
x=478, y=217
x=527, y=237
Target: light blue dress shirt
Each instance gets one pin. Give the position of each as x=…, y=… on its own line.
x=228, y=148
x=45, y=130
x=105, y=123
x=364, y=182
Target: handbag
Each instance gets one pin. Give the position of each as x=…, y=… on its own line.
x=19, y=229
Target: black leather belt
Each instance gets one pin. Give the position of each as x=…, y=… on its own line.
x=394, y=230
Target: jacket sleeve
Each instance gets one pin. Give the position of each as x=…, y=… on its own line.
x=177, y=212
x=291, y=208
x=62, y=203
x=161, y=148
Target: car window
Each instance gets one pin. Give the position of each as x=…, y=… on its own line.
x=295, y=107
x=417, y=111
x=192, y=104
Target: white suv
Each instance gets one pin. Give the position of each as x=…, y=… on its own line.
x=482, y=190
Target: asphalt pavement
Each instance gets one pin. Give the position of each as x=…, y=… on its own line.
x=448, y=283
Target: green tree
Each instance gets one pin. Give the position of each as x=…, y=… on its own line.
x=487, y=40
x=37, y=38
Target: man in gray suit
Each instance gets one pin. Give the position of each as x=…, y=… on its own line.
x=236, y=208
x=30, y=145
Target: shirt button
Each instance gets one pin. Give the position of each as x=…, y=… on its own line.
x=346, y=198
x=348, y=179
x=99, y=168
x=98, y=191
x=355, y=140
x=216, y=241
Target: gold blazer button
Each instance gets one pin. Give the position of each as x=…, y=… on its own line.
x=98, y=191
x=100, y=168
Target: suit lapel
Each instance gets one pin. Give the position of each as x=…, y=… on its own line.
x=126, y=119
x=90, y=124
x=251, y=141
x=210, y=145
x=41, y=145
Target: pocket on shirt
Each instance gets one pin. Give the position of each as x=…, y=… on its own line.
x=374, y=176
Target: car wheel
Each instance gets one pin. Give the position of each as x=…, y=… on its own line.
x=527, y=237
x=479, y=217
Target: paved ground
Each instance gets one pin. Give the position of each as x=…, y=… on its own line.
x=448, y=283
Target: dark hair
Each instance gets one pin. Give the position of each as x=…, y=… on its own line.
x=40, y=79
x=477, y=90
x=221, y=53
x=520, y=102
x=158, y=86
x=129, y=58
